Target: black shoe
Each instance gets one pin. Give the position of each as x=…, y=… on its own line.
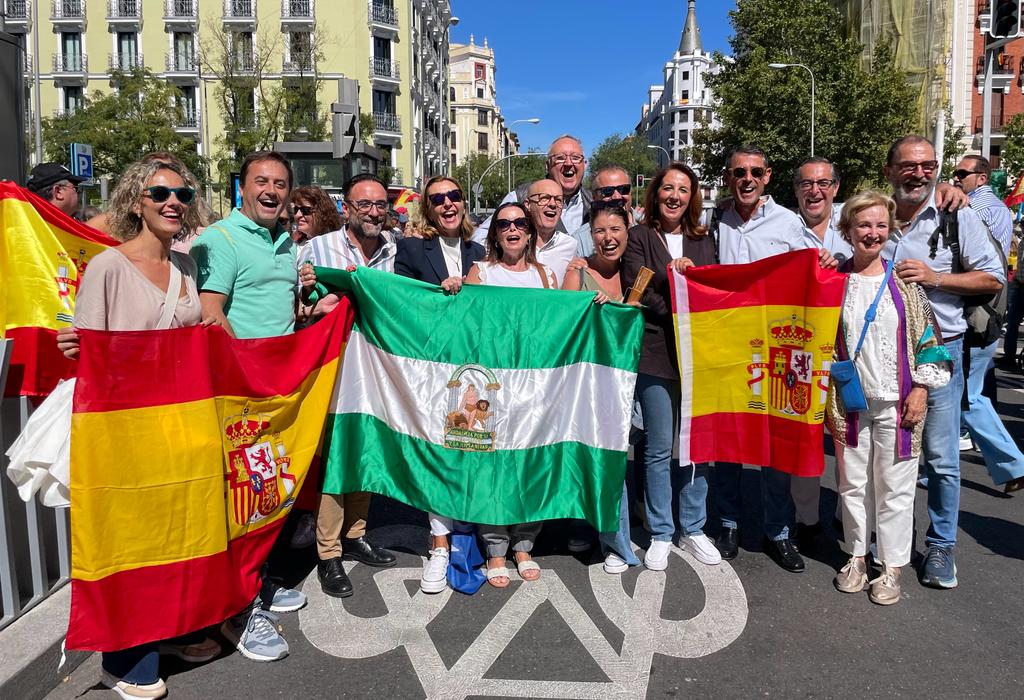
x=361, y=549
x=808, y=536
x=333, y=578
x=728, y=542
x=784, y=554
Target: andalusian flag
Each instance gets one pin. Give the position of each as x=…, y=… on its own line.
x=188, y=449
x=493, y=405
x=755, y=345
x=43, y=253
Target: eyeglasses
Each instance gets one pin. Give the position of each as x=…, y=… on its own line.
x=561, y=158
x=906, y=167
x=740, y=173
x=546, y=199
x=437, y=199
x=809, y=184
x=964, y=174
x=606, y=192
x=160, y=193
x=305, y=211
x=364, y=205
x=506, y=224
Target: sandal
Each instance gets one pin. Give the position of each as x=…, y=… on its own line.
x=527, y=565
x=496, y=573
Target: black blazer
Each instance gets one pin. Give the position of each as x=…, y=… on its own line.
x=423, y=259
x=646, y=248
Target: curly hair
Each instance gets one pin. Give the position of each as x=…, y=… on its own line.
x=124, y=222
x=691, y=217
x=325, y=212
x=426, y=222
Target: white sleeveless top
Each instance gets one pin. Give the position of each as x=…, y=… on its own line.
x=495, y=275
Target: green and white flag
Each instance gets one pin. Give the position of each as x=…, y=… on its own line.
x=494, y=405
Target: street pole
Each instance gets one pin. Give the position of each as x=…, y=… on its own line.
x=480, y=182
x=531, y=120
x=36, y=98
x=668, y=156
x=986, y=107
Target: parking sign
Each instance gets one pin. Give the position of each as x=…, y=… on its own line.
x=81, y=160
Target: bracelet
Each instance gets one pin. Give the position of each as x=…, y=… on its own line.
x=938, y=280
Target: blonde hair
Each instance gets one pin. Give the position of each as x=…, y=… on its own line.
x=861, y=201
x=124, y=223
x=425, y=223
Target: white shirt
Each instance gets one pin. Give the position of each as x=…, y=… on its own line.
x=336, y=250
x=556, y=254
x=772, y=230
x=451, y=248
x=834, y=242
x=495, y=275
x=976, y=252
x=674, y=241
x=572, y=215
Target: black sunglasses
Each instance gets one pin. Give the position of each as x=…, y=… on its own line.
x=305, y=211
x=160, y=193
x=740, y=173
x=964, y=174
x=437, y=199
x=624, y=190
x=506, y=224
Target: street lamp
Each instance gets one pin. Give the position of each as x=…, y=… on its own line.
x=479, y=186
x=811, y=73
x=668, y=157
x=531, y=120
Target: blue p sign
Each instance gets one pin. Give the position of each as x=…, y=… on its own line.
x=81, y=160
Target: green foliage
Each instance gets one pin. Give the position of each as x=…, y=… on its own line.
x=366, y=127
x=1012, y=155
x=859, y=112
x=630, y=152
x=953, y=148
x=525, y=168
x=123, y=125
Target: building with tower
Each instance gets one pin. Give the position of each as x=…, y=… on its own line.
x=476, y=122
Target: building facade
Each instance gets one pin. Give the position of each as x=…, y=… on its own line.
x=396, y=49
x=678, y=107
x=477, y=124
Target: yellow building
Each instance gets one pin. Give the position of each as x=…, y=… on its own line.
x=396, y=49
x=476, y=122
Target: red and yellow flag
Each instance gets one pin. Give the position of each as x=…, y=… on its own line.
x=188, y=450
x=1016, y=195
x=43, y=253
x=755, y=345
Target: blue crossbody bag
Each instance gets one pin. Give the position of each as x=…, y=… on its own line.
x=844, y=373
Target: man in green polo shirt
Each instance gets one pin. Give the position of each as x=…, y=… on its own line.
x=246, y=262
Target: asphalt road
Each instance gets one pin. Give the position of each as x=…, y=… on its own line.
x=735, y=631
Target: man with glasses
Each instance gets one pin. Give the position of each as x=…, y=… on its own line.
x=555, y=248
x=57, y=185
x=363, y=242
x=922, y=256
x=611, y=187
x=566, y=164
x=816, y=184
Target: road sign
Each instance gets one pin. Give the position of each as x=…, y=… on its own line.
x=81, y=160
x=478, y=189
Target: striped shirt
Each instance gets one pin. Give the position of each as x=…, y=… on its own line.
x=336, y=249
x=995, y=214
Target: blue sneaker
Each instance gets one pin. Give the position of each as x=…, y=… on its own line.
x=939, y=569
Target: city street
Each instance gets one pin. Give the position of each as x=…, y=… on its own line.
x=736, y=631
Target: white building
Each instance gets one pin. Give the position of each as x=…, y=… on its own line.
x=675, y=109
x=477, y=124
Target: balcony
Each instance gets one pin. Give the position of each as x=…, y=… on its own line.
x=67, y=13
x=984, y=16
x=297, y=13
x=384, y=70
x=383, y=17
x=299, y=64
x=997, y=120
x=243, y=62
x=28, y=64
x=18, y=15
x=70, y=67
x=181, y=64
x=124, y=13
x=126, y=62
x=1004, y=72
x=181, y=14
x=187, y=122
x=240, y=13
x=385, y=123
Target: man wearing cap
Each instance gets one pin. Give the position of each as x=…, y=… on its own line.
x=57, y=185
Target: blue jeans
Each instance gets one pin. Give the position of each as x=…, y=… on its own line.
x=941, y=453
x=659, y=403
x=1003, y=458
x=619, y=542
x=776, y=500
x=139, y=665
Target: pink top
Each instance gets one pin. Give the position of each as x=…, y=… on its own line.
x=116, y=296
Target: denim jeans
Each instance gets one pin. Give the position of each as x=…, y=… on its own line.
x=139, y=665
x=1014, y=315
x=619, y=542
x=941, y=453
x=659, y=403
x=776, y=500
x=1003, y=458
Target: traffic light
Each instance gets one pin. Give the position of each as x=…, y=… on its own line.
x=345, y=118
x=1005, y=19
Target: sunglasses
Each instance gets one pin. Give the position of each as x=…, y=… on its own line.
x=606, y=192
x=964, y=174
x=740, y=173
x=159, y=193
x=437, y=199
x=305, y=211
x=506, y=224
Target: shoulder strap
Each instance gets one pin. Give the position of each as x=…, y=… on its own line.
x=170, y=299
x=872, y=311
x=543, y=275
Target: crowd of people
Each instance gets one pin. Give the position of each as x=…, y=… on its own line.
x=903, y=326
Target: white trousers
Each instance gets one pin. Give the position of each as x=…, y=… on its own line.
x=439, y=525
x=876, y=491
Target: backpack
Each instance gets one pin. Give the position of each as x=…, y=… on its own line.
x=984, y=313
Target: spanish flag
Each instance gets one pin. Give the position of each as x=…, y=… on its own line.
x=43, y=253
x=1016, y=196
x=188, y=450
x=755, y=345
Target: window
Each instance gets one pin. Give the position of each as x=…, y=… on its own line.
x=451, y=94
x=127, y=50
x=184, y=51
x=244, y=104
x=382, y=48
x=479, y=71
x=686, y=75
x=300, y=50
x=241, y=44
x=72, y=98
x=451, y=115
x=187, y=104
x=71, y=51
x=685, y=97
x=481, y=117
x=383, y=102
x=683, y=137
x=481, y=142
x=453, y=139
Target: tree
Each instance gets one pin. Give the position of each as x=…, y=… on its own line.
x=860, y=111
x=953, y=148
x=525, y=168
x=123, y=125
x=630, y=152
x=1012, y=156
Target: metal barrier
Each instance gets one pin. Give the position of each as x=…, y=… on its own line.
x=35, y=557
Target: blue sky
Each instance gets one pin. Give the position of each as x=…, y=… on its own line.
x=581, y=67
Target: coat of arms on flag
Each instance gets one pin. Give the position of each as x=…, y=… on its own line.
x=469, y=421
x=258, y=469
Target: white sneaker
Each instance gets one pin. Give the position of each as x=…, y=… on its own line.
x=656, y=558
x=613, y=564
x=966, y=444
x=435, y=572
x=702, y=548
x=305, y=532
